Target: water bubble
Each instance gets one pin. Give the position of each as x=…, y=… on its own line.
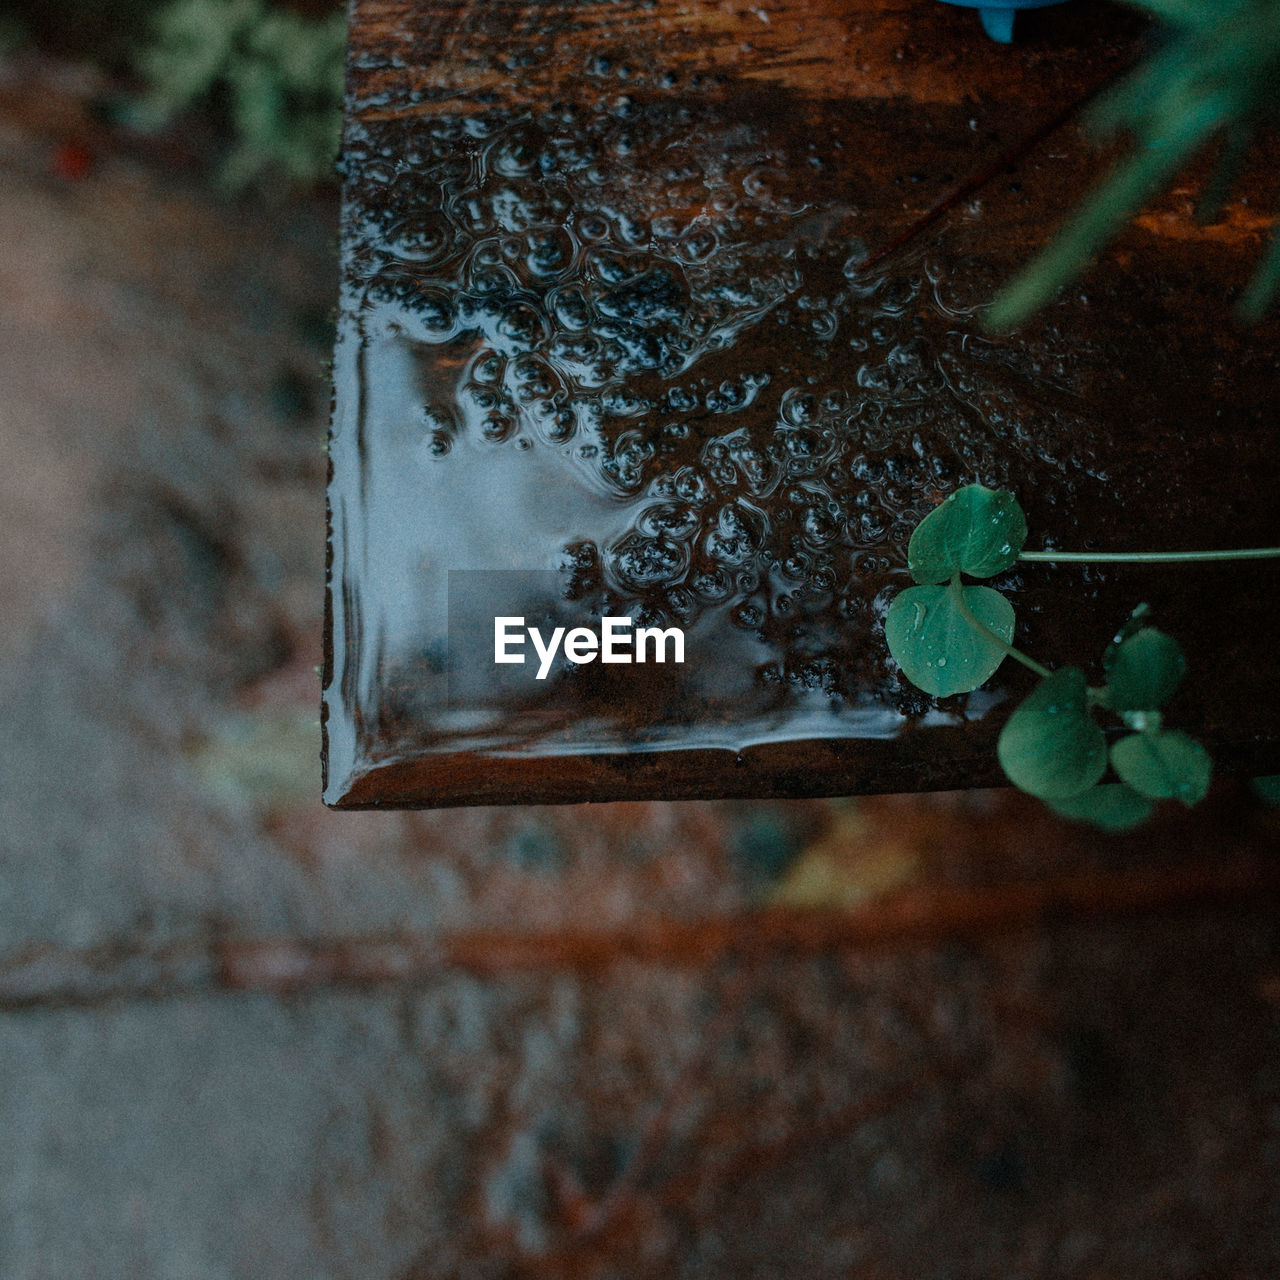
x=571, y=309
x=487, y=367
x=549, y=253
x=423, y=239
x=698, y=244
x=498, y=427
x=641, y=563
x=520, y=327
x=515, y=153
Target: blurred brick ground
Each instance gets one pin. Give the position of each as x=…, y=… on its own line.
x=243, y=1037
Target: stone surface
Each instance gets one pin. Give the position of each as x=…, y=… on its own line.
x=1082, y=1105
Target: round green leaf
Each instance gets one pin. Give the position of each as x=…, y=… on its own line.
x=1133, y=624
x=1145, y=671
x=1166, y=765
x=978, y=531
x=1050, y=746
x=936, y=647
x=1110, y=805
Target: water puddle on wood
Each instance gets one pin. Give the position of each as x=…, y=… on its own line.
x=631, y=345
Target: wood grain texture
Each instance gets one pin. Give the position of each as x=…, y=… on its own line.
x=410, y=57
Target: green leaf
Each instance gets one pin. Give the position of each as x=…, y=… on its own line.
x=1133, y=624
x=978, y=531
x=1268, y=788
x=1230, y=163
x=1182, y=13
x=1130, y=185
x=1050, y=746
x=1145, y=671
x=936, y=647
x=1165, y=765
x=1110, y=805
x=1262, y=288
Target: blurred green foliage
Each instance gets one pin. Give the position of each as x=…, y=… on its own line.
x=277, y=74
x=763, y=846
x=1216, y=79
x=13, y=34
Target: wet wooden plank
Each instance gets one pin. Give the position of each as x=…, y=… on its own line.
x=604, y=338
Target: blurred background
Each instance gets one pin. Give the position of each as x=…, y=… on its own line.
x=245, y=1037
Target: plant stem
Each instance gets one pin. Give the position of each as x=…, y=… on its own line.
x=1152, y=557
x=987, y=634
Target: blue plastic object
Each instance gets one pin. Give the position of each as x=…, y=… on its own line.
x=998, y=15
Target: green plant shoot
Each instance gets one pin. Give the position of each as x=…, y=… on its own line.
x=949, y=637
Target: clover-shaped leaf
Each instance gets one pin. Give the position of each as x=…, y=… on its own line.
x=978, y=531
x=1165, y=765
x=1050, y=746
x=934, y=644
x=1144, y=671
x=1133, y=624
x=1110, y=805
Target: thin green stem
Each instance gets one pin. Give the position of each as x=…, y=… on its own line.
x=1152, y=557
x=985, y=631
